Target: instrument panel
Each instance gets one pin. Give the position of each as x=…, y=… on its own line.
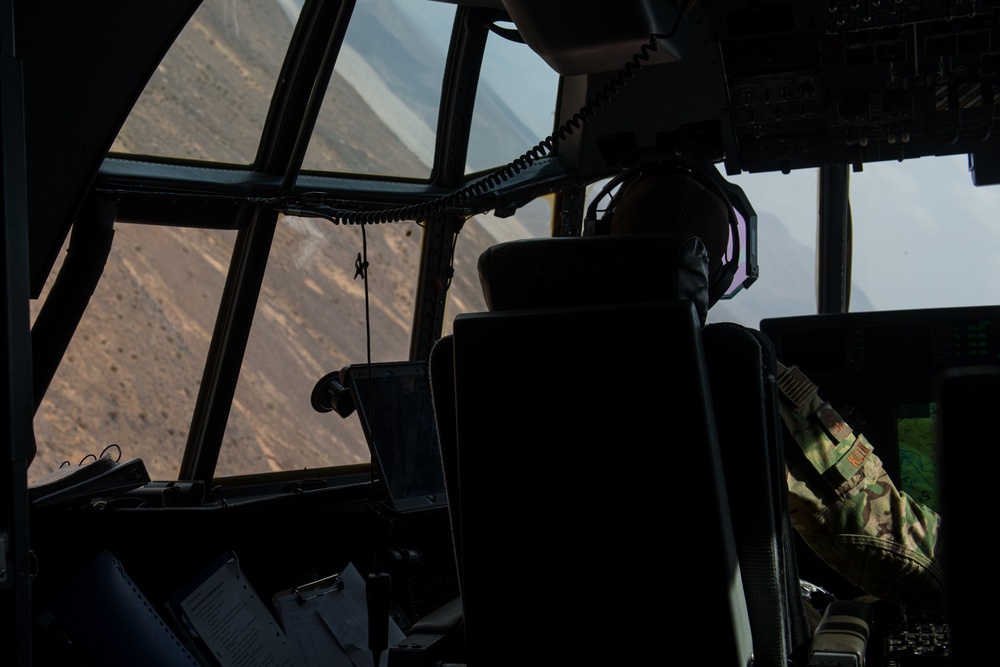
x=850, y=82
x=779, y=85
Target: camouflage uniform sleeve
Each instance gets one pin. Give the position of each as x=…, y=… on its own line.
x=848, y=511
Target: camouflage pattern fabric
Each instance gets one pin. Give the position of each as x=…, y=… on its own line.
x=848, y=511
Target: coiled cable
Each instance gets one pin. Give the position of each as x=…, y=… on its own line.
x=467, y=198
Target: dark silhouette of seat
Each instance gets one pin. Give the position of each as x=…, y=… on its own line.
x=586, y=462
x=742, y=371
x=967, y=399
x=441, y=367
x=600, y=271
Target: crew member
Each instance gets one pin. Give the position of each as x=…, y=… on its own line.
x=840, y=498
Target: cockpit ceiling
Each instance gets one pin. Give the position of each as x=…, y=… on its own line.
x=793, y=85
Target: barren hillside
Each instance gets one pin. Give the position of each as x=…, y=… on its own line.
x=133, y=371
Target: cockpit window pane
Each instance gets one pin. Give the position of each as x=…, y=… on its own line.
x=380, y=111
x=131, y=373
x=515, y=104
x=924, y=236
x=209, y=97
x=917, y=228
x=316, y=314
x=786, y=245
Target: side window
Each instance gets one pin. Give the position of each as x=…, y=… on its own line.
x=380, y=110
x=209, y=97
x=512, y=113
x=131, y=373
x=924, y=236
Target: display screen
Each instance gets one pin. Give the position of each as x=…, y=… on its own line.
x=397, y=416
x=916, y=441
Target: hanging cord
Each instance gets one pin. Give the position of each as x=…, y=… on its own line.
x=378, y=587
x=361, y=271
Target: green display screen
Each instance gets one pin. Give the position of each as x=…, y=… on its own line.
x=916, y=436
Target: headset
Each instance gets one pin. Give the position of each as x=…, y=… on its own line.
x=737, y=205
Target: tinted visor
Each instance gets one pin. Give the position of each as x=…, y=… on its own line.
x=743, y=248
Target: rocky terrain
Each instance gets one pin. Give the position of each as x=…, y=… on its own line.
x=134, y=368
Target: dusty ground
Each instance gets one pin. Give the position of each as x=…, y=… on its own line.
x=133, y=371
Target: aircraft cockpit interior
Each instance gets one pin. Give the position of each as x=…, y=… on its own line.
x=324, y=344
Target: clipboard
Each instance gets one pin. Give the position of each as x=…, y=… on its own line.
x=326, y=621
x=332, y=584
x=224, y=621
x=394, y=405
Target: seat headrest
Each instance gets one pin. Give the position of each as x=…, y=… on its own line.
x=595, y=270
